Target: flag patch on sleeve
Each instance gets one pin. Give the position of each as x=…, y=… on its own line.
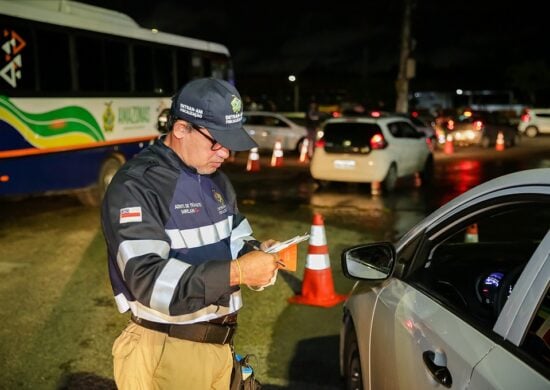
x=130, y=214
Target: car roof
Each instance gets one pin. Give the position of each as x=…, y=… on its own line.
x=527, y=181
x=368, y=119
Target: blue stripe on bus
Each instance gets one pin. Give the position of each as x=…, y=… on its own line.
x=11, y=138
x=59, y=171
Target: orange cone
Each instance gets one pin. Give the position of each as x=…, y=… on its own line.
x=449, y=146
x=471, y=234
x=277, y=157
x=499, y=146
x=304, y=157
x=318, y=286
x=253, y=162
x=375, y=188
x=417, y=180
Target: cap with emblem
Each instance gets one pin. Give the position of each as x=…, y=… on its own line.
x=216, y=105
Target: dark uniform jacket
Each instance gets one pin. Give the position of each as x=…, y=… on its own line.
x=171, y=234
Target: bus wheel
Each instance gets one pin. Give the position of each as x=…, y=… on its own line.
x=106, y=173
x=94, y=195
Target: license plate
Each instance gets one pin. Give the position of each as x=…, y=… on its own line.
x=344, y=164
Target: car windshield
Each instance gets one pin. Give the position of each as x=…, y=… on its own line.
x=345, y=136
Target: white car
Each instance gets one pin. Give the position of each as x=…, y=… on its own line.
x=266, y=128
x=371, y=149
x=534, y=121
x=461, y=301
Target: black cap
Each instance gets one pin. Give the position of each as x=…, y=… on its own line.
x=216, y=105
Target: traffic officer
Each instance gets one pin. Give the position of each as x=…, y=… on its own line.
x=176, y=247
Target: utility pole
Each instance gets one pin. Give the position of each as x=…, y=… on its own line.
x=406, y=63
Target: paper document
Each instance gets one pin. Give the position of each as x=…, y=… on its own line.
x=285, y=244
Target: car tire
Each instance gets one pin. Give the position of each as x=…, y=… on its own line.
x=391, y=179
x=516, y=139
x=322, y=184
x=352, y=362
x=531, y=132
x=428, y=171
x=485, y=142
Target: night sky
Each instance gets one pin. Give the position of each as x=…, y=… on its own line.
x=352, y=47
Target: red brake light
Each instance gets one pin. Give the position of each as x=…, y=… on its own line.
x=525, y=117
x=375, y=114
x=377, y=142
x=336, y=114
x=320, y=143
x=450, y=124
x=414, y=114
x=478, y=125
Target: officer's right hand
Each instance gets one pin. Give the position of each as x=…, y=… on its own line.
x=257, y=268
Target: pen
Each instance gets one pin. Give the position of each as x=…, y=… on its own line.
x=250, y=244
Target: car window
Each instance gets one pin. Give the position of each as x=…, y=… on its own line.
x=472, y=267
x=403, y=130
x=273, y=121
x=349, y=134
x=253, y=120
x=537, y=340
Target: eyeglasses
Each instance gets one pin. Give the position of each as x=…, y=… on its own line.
x=215, y=144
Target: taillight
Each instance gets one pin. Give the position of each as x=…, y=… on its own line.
x=320, y=143
x=375, y=114
x=336, y=114
x=430, y=143
x=478, y=125
x=450, y=124
x=525, y=117
x=378, y=142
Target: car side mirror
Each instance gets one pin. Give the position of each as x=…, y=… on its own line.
x=372, y=262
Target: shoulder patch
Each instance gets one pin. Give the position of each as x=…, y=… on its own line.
x=130, y=214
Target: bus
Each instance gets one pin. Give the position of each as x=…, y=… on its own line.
x=81, y=89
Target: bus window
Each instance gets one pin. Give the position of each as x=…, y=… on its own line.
x=183, y=65
x=143, y=64
x=117, y=55
x=90, y=63
x=164, y=79
x=54, y=65
x=197, y=69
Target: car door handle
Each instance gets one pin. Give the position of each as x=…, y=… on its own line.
x=440, y=373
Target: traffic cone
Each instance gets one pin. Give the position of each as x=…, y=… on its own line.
x=471, y=234
x=304, y=157
x=417, y=180
x=253, y=162
x=375, y=188
x=499, y=146
x=277, y=156
x=449, y=146
x=318, y=286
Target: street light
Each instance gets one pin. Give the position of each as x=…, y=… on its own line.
x=293, y=80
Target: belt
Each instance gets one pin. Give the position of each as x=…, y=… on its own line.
x=201, y=332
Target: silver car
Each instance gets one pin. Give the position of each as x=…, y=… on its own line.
x=461, y=301
x=535, y=121
x=266, y=128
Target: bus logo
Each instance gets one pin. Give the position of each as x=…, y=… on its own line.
x=108, y=117
x=12, y=44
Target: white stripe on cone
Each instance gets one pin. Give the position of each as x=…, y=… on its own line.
x=318, y=262
x=317, y=237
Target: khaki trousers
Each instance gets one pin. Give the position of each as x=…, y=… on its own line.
x=144, y=359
